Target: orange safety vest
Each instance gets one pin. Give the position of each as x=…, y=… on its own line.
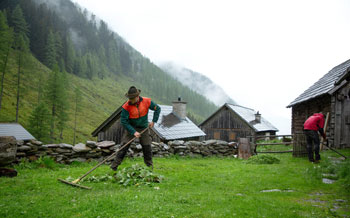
x=138, y=110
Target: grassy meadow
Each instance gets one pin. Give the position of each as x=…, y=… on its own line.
x=192, y=187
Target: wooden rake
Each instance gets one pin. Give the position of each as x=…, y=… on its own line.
x=75, y=182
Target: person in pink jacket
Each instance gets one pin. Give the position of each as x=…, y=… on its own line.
x=312, y=126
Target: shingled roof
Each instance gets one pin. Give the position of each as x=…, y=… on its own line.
x=323, y=85
x=15, y=130
x=171, y=127
x=248, y=116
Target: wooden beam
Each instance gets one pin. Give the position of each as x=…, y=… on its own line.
x=273, y=152
x=324, y=130
x=277, y=143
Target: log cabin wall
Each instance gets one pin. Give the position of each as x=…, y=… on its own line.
x=227, y=126
x=300, y=112
x=340, y=119
x=112, y=132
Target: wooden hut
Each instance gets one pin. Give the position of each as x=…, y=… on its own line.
x=173, y=124
x=231, y=122
x=330, y=94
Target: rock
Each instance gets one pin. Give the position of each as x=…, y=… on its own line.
x=220, y=142
x=180, y=147
x=8, y=150
x=176, y=143
x=105, y=144
x=139, y=147
x=165, y=146
x=51, y=146
x=91, y=144
x=209, y=142
x=36, y=142
x=23, y=148
x=63, y=145
x=114, y=148
x=62, y=150
x=21, y=154
x=271, y=190
x=8, y=172
x=328, y=181
x=107, y=151
x=78, y=159
x=20, y=142
x=194, y=143
x=81, y=148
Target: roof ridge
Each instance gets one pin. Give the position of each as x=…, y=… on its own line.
x=240, y=106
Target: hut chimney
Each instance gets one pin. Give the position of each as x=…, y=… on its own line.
x=258, y=117
x=179, y=108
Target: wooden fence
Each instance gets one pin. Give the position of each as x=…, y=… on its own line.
x=297, y=141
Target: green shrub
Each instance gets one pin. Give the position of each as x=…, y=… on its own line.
x=263, y=159
x=42, y=162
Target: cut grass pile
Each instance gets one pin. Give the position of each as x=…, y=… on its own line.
x=263, y=159
x=192, y=187
x=133, y=175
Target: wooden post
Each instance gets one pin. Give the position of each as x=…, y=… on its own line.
x=299, y=145
x=324, y=130
x=244, y=150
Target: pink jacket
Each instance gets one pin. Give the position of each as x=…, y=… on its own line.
x=315, y=122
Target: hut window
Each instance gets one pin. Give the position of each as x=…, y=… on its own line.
x=216, y=135
x=232, y=136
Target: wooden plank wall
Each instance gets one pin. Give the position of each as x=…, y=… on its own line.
x=340, y=119
x=227, y=126
x=301, y=112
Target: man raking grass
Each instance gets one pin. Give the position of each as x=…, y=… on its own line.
x=134, y=119
x=75, y=182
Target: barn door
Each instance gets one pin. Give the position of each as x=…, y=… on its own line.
x=342, y=125
x=345, y=130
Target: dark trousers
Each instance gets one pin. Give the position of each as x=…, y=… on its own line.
x=313, y=144
x=145, y=141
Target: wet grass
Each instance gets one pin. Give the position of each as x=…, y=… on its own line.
x=192, y=187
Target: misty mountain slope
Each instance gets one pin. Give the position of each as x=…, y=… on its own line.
x=198, y=83
x=95, y=59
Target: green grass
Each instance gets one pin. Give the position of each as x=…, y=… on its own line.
x=192, y=187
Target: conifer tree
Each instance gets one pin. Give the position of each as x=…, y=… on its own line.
x=21, y=45
x=6, y=41
x=77, y=102
x=63, y=106
x=50, y=51
x=39, y=124
x=69, y=55
x=56, y=98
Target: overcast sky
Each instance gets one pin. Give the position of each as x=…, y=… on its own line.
x=264, y=54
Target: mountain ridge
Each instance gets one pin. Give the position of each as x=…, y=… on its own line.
x=197, y=82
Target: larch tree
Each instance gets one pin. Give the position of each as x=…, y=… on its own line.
x=21, y=44
x=6, y=41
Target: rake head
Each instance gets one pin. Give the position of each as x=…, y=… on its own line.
x=74, y=184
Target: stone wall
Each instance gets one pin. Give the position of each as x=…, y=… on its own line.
x=65, y=153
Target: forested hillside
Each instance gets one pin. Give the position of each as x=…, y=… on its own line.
x=63, y=69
